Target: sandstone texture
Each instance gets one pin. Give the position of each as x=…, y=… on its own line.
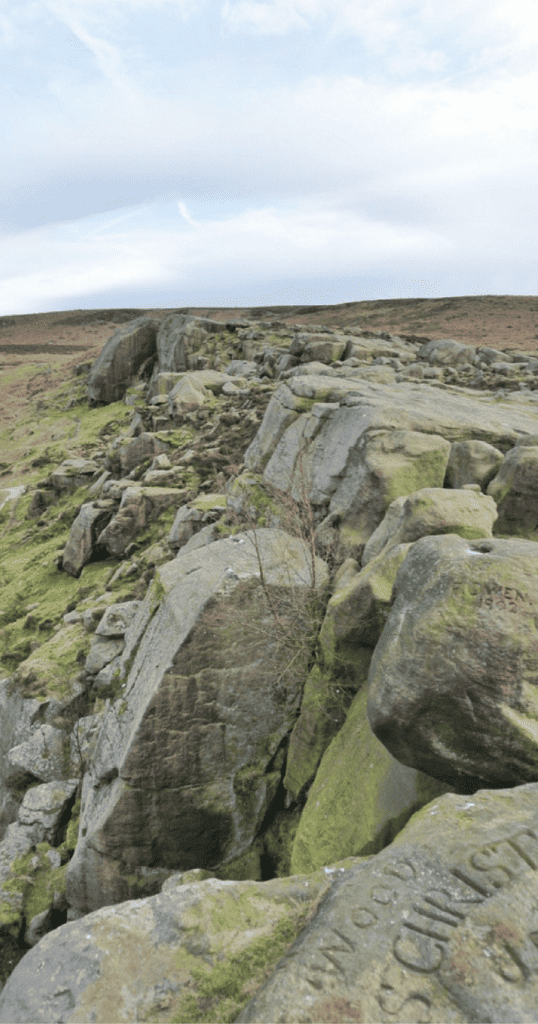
x=268, y=629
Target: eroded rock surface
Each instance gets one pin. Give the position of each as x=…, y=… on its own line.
x=199, y=735
x=438, y=927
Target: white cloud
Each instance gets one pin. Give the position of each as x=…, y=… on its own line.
x=210, y=145
x=184, y=213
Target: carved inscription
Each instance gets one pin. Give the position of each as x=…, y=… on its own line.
x=420, y=942
x=491, y=594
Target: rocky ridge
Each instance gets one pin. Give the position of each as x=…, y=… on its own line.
x=302, y=599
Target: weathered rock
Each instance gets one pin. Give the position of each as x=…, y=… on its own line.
x=472, y=462
x=38, y=927
x=364, y=444
x=433, y=510
x=179, y=339
x=161, y=385
x=40, y=756
x=515, y=486
x=212, y=698
x=360, y=799
x=242, y=368
x=119, y=963
x=143, y=446
x=73, y=473
x=357, y=613
x=32, y=883
x=18, y=717
x=191, y=518
x=103, y=650
x=194, y=389
x=117, y=619
x=120, y=359
x=388, y=463
x=354, y=620
x=45, y=805
x=82, y=535
x=437, y=927
x=139, y=506
x=83, y=740
x=453, y=679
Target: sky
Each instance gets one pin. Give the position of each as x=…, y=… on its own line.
x=232, y=153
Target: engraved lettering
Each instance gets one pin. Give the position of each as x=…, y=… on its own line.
x=473, y=883
x=328, y=954
x=442, y=900
x=418, y=954
x=408, y=1011
x=398, y=989
x=403, y=869
x=381, y=895
x=527, y=846
x=435, y=932
x=363, y=918
x=501, y=861
x=436, y=916
x=496, y=595
x=352, y=945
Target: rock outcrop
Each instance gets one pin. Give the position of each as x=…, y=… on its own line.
x=188, y=763
x=278, y=707
x=439, y=926
x=120, y=360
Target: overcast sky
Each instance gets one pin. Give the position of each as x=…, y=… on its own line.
x=162, y=153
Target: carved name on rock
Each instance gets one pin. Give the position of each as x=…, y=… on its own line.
x=441, y=926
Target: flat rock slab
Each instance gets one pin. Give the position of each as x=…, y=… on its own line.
x=152, y=959
x=441, y=926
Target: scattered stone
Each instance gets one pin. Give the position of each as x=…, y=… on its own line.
x=73, y=473
x=117, y=619
x=139, y=506
x=411, y=454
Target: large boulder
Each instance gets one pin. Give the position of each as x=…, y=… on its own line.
x=439, y=926
x=189, y=759
x=453, y=679
x=120, y=360
x=120, y=964
x=433, y=510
